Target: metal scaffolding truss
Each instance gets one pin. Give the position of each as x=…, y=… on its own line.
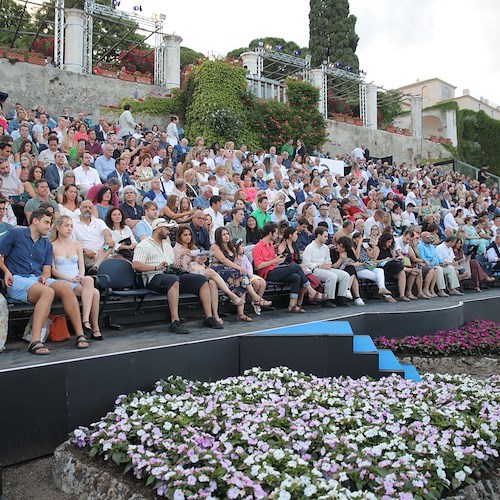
x=288, y=65
x=153, y=26
x=59, y=34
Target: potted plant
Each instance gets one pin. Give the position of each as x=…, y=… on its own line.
x=124, y=75
x=390, y=129
x=15, y=54
x=358, y=121
x=349, y=119
x=407, y=132
x=142, y=78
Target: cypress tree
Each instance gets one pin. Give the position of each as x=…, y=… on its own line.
x=331, y=33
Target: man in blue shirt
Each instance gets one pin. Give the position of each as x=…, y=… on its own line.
x=105, y=164
x=26, y=264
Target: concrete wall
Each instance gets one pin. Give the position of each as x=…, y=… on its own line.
x=344, y=137
x=34, y=85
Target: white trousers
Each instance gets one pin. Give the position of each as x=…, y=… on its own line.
x=376, y=275
x=330, y=278
x=449, y=274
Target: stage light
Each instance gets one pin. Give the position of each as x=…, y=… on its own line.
x=268, y=46
x=337, y=64
x=137, y=8
x=348, y=68
x=116, y=4
x=297, y=52
x=279, y=48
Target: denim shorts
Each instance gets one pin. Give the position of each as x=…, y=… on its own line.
x=21, y=285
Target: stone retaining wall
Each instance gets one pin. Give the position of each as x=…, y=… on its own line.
x=479, y=366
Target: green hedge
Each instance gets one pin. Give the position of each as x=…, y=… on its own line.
x=154, y=105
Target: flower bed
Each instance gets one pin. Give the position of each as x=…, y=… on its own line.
x=281, y=434
x=476, y=338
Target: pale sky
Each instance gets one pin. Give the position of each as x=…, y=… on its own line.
x=400, y=41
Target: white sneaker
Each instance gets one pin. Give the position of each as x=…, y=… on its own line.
x=348, y=295
x=359, y=302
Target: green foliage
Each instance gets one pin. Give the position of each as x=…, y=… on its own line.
x=153, y=105
x=14, y=14
x=332, y=34
x=274, y=122
x=389, y=105
x=288, y=47
x=189, y=56
x=214, y=95
x=236, y=53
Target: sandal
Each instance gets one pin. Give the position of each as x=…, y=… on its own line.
x=81, y=339
x=87, y=330
x=262, y=303
x=96, y=335
x=244, y=317
x=404, y=298
x=389, y=298
x=296, y=309
x=318, y=297
x=36, y=346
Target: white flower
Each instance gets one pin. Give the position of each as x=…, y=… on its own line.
x=278, y=454
x=460, y=475
x=178, y=495
x=284, y=495
x=310, y=490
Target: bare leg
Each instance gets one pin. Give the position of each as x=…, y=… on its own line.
x=221, y=284
x=173, y=301
x=428, y=281
x=214, y=297
x=204, y=295
x=259, y=287
x=409, y=284
x=86, y=291
x=418, y=282
x=102, y=255
x=401, y=283
x=354, y=287
x=42, y=297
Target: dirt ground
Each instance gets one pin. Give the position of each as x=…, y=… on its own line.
x=32, y=481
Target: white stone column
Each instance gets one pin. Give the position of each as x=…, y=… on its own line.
x=371, y=106
x=73, y=40
x=250, y=62
x=416, y=116
x=316, y=77
x=451, y=126
x=172, y=60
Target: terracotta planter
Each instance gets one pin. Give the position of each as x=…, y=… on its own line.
x=14, y=55
x=392, y=130
x=407, y=132
x=358, y=122
x=349, y=119
x=399, y=131
x=143, y=79
x=40, y=61
x=108, y=74
x=127, y=77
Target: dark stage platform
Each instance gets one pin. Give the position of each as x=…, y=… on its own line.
x=44, y=398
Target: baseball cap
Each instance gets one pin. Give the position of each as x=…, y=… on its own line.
x=161, y=222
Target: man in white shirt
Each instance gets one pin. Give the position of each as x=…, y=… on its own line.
x=172, y=131
x=324, y=217
x=48, y=156
x=85, y=175
x=126, y=122
x=374, y=220
x=94, y=236
x=408, y=217
x=445, y=253
x=166, y=183
x=358, y=153
x=317, y=258
x=215, y=212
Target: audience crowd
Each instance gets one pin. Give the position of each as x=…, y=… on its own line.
x=211, y=219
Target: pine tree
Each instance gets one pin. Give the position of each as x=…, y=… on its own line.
x=332, y=36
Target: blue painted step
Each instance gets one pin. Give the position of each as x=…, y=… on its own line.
x=411, y=372
x=338, y=328
x=387, y=362
x=362, y=344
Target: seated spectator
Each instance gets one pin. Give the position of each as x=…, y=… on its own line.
x=68, y=179
x=316, y=257
x=144, y=173
x=70, y=205
x=105, y=164
x=122, y=235
x=254, y=233
x=132, y=211
x=94, y=236
x=24, y=136
x=11, y=185
x=249, y=189
x=203, y=201
x=214, y=211
x=153, y=256
x=103, y=202
x=5, y=227
x=445, y=253
x=189, y=258
x=48, y=156
x=143, y=227
x=42, y=196
x=269, y=267
x=236, y=230
x=408, y=217
x=26, y=264
x=471, y=266
x=324, y=217
x=225, y=264
x=113, y=184
x=260, y=213
x=166, y=183
x=200, y=232
x=92, y=145
x=85, y=175
x=35, y=173
x=55, y=173
x=278, y=214
x=120, y=173
x=26, y=150
x=68, y=266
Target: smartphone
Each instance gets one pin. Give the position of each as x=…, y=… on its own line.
x=106, y=247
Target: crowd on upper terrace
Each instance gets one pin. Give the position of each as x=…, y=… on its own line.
x=218, y=218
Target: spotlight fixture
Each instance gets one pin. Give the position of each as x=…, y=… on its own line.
x=137, y=8
x=348, y=68
x=116, y=3
x=268, y=46
x=279, y=48
x=297, y=52
x=337, y=64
